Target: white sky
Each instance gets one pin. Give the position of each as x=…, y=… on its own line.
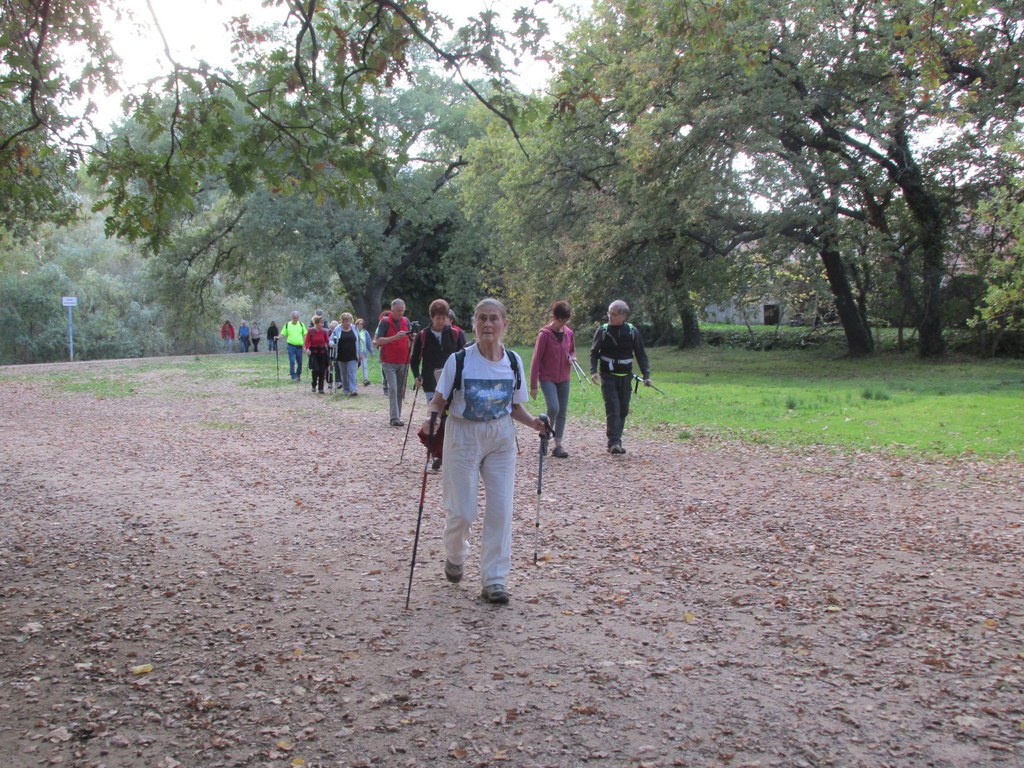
x=196, y=30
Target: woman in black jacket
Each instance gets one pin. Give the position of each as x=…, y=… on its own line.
x=433, y=346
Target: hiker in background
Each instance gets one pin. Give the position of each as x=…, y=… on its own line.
x=347, y=342
x=255, y=334
x=272, y=332
x=433, y=346
x=551, y=368
x=615, y=345
x=392, y=338
x=316, y=342
x=227, y=335
x=294, y=335
x=243, y=337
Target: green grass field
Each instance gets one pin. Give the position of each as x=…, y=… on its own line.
x=894, y=403
x=898, y=404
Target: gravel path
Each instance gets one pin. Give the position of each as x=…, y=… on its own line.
x=207, y=574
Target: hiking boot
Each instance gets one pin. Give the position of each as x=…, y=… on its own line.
x=617, y=449
x=436, y=465
x=397, y=423
x=560, y=453
x=495, y=593
x=452, y=572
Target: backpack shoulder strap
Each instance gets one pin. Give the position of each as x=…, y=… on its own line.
x=460, y=363
x=515, y=369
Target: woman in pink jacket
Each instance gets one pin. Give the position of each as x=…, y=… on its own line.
x=552, y=353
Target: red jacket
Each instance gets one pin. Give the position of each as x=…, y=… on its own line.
x=551, y=356
x=317, y=340
x=397, y=351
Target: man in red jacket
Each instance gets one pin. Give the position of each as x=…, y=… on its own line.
x=392, y=338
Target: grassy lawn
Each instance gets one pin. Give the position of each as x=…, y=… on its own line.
x=811, y=397
x=895, y=403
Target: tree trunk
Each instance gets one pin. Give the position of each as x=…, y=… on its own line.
x=858, y=335
x=926, y=211
x=369, y=303
x=691, y=327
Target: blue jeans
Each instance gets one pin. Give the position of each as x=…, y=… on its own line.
x=295, y=361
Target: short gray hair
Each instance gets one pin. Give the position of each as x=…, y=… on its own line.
x=619, y=307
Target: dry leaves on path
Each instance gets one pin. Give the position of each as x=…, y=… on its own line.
x=218, y=579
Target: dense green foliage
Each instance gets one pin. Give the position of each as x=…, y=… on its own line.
x=851, y=165
x=697, y=152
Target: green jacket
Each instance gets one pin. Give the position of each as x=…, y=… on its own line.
x=294, y=332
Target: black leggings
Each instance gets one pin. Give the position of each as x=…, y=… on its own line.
x=318, y=363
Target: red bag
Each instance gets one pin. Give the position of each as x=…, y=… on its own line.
x=437, y=446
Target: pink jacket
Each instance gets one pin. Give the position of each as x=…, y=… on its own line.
x=551, y=356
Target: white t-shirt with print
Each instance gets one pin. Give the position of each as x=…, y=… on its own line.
x=487, y=387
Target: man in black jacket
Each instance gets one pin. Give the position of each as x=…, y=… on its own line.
x=615, y=345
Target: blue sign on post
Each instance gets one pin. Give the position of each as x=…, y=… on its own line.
x=69, y=302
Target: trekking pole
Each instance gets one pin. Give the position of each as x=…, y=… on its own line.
x=419, y=516
x=580, y=374
x=408, y=426
x=638, y=380
x=540, y=479
x=277, y=357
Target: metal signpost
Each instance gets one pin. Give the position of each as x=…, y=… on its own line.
x=69, y=302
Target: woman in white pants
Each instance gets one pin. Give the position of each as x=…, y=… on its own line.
x=480, y=443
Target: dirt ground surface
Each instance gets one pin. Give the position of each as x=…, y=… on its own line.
x=207, y=574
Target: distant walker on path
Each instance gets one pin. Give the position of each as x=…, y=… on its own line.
x=615, y=345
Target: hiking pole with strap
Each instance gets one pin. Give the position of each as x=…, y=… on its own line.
x=580, y=373
x=540, y=479
x=277, y=357
x=419, y=516
x=638, y=380
x=408, y=426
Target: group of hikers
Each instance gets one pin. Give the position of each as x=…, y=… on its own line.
x=249, y=335
x=474, y=392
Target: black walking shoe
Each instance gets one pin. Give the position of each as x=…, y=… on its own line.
x=560, y=453
x=495, y=593
x=617, y=449
x=452, y=572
